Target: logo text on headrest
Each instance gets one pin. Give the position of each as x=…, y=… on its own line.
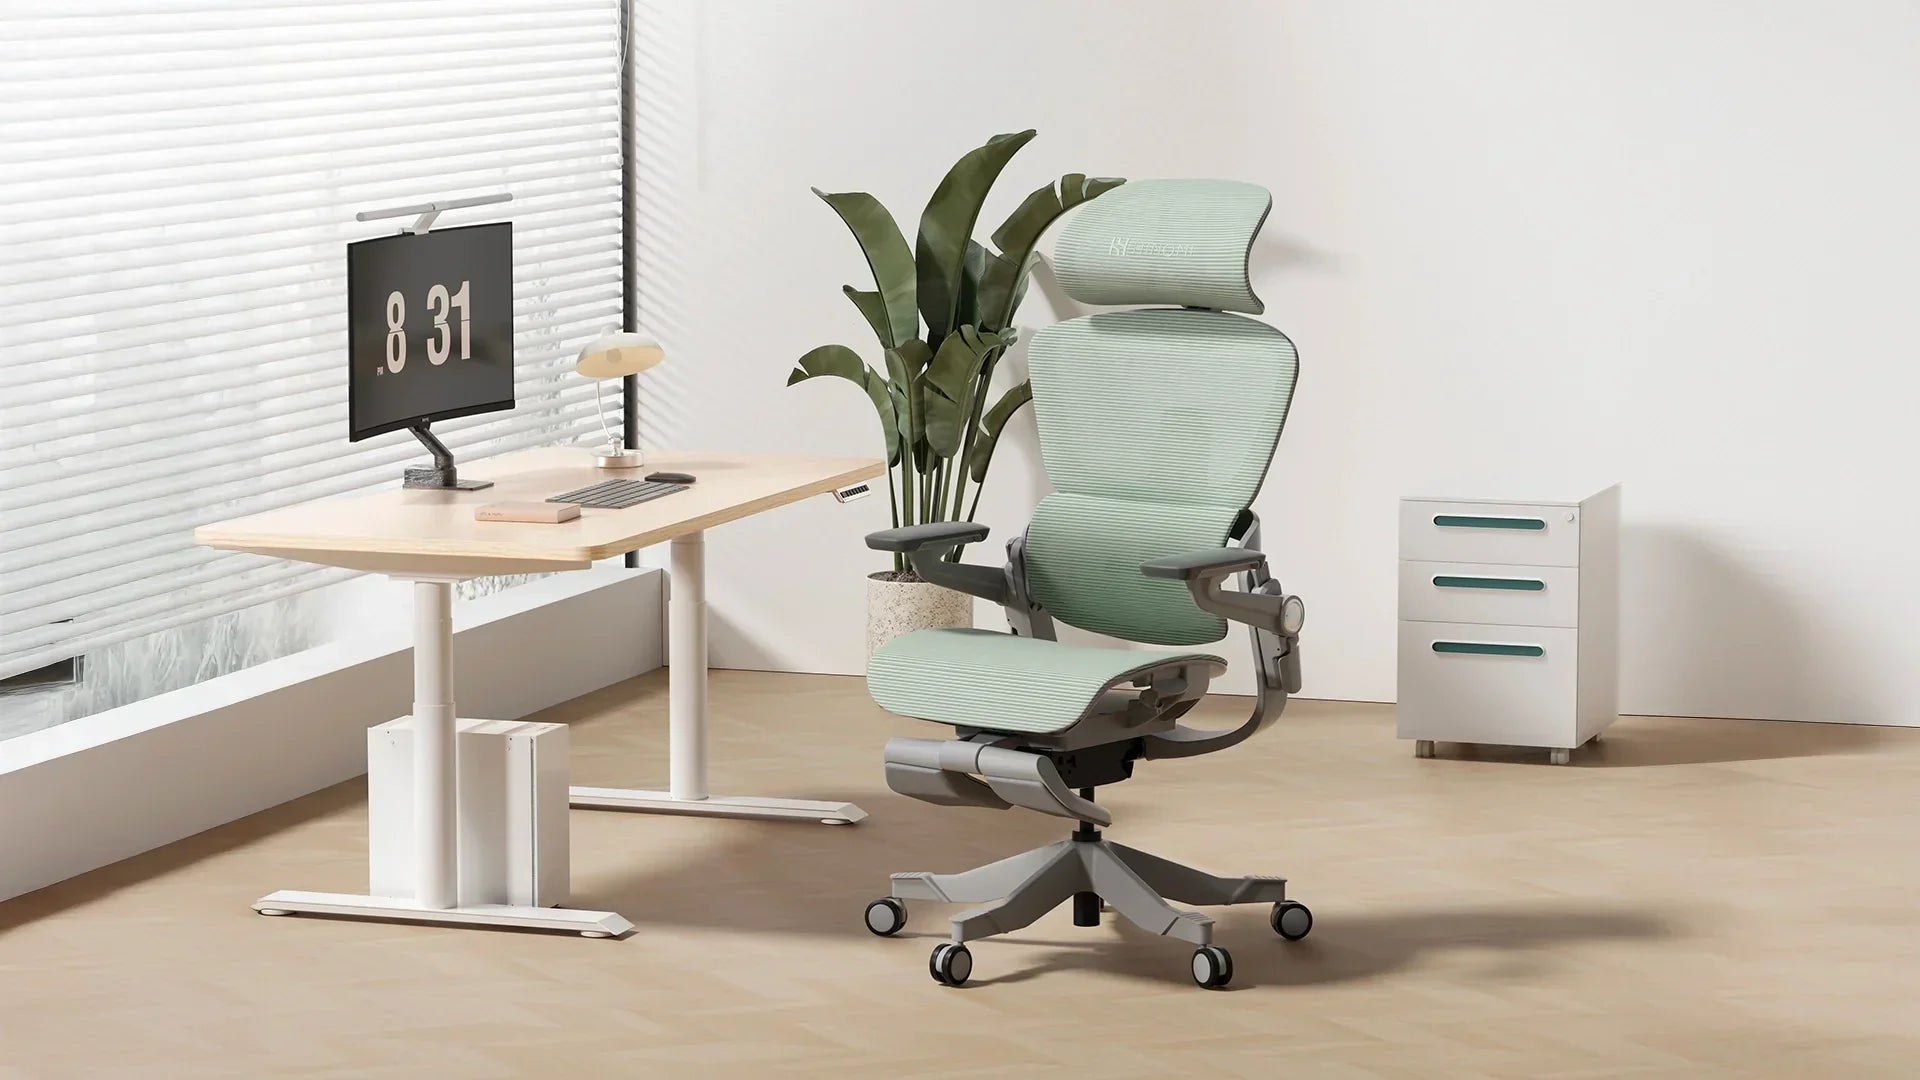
x=1146, y=249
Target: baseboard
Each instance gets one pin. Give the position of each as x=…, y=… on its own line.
x=103, y=788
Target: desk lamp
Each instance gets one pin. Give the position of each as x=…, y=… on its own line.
x=615, y=356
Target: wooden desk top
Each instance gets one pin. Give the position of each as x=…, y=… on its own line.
x=410, y=530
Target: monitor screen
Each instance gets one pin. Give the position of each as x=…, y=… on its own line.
x=429, y=327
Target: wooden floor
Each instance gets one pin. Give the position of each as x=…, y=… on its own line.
x=1691, y=898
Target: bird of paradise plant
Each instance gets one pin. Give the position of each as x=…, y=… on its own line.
x=932, y=397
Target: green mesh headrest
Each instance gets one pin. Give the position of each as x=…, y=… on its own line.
x=1179, y=242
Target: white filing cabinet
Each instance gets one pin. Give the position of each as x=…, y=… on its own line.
x=1509, y=621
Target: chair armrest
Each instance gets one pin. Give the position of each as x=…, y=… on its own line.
x=1213, y=562
x=941, y=534
x=925, y=544
x=1202, y=571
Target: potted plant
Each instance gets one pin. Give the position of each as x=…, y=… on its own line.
x=943, y=312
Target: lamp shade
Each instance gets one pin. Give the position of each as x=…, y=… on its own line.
x=613, y=356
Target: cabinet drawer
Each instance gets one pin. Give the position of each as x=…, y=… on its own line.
x=1489, y=593
x=1517, y=533
x=1476, y=683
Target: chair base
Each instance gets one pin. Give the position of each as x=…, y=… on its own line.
x=1019, y=890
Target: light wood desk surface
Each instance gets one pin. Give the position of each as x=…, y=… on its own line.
x=422, y=530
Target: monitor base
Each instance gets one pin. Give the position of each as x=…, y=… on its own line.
x=441, y=475
x=431, y=478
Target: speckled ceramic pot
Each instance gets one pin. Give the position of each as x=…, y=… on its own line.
x=901, y=607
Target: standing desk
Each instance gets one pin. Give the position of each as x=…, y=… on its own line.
x=430, y=538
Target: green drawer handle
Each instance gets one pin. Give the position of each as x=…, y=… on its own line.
x=1515, y=584
x=1487, y=648
x=1461, y=521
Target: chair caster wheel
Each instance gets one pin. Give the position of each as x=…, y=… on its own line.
x=950, y=964
x=886, y=916
x=1212, y=966
x=1291, y=919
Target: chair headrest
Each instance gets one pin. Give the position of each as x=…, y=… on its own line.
x=1165, y=242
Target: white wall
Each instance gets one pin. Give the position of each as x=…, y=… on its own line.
x=1523, y=247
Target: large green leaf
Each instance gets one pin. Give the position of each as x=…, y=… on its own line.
x=1023, y=227
x=967, y=312
x=887, y=256
x=904, y=367
x=946, y=226
x=1004, y=284
x=950, y=381
x=874, y=309
x=999, y=287
x=990, y=427
x=902, y=422
x=954, y=366
x=841, y=362
x=914, y=354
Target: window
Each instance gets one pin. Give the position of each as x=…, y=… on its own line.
x=179, y=185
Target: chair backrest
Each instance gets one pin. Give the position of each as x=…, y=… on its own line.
x=1156, y=425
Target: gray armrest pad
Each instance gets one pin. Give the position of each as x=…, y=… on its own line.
x=1203, y=563
x=944, y=534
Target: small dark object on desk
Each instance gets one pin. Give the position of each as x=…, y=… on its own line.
x=670, y=477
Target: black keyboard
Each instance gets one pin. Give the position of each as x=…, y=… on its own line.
x=618, y=494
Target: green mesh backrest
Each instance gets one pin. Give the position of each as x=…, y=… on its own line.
x=1156, y=427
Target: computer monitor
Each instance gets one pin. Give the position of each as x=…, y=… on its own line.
x=430, y=334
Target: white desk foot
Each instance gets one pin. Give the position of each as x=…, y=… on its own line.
x=593, y=924
x=744, y=806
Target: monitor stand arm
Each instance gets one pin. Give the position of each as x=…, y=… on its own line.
x=441, y=474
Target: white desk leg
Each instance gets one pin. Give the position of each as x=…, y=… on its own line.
x=436, y=809
x=687, y=668
x=687, y=717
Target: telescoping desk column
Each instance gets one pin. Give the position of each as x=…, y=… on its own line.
x=429, y=537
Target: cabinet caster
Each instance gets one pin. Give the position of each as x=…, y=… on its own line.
x=950, y=964
x=1291, y=919
x=886, y=916
x=595, y=934
x=1212, y=967
x=1423, y=748
x=1560, y=757
x=273, y=911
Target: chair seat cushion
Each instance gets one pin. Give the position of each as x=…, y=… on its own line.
x=1000, y=682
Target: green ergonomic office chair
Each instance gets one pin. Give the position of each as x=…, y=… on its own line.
x=1156, y=426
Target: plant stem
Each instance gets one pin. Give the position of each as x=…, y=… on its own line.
x=978, y=488
x=893, y=508
x=980, y=388
x=906, y=485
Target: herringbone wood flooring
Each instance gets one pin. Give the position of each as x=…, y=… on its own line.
x=1693, y=898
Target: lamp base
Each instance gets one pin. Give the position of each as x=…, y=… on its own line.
x=607, y=457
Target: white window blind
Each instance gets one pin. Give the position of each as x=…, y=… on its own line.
x=178, y=180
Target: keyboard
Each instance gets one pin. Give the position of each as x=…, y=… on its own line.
x=618, y=494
